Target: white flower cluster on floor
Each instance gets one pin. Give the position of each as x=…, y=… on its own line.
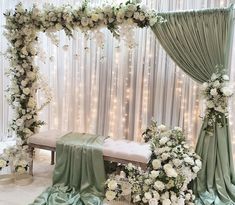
x=172, y=167
x=216, y=92
x=22, y=27
x=16, y=156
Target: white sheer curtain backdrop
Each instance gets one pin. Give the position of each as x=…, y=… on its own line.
x=115, y=91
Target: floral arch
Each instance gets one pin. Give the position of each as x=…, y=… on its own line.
x=22, y=28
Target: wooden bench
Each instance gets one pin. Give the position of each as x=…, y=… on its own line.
x=121, y=151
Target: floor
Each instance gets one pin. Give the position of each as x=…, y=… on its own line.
x=12, y=194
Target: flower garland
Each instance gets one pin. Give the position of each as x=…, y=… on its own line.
x=172, y=167
x=22, y=27
x=216, y=92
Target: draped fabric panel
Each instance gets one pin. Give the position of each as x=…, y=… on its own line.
x=197, y=42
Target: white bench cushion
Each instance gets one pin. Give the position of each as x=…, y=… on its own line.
x=119, y=149
x=46, y=138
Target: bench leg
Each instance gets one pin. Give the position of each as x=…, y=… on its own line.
x=31, y=151
x=52, y=157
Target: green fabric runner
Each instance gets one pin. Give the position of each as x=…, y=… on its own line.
x=79, y=174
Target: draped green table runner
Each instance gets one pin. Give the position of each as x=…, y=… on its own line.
x=79, y=174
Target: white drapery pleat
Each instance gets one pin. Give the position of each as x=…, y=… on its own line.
x=115, y=91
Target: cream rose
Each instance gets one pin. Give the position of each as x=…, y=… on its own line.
x=112, y=185
x=110, y=195
x=156, y=163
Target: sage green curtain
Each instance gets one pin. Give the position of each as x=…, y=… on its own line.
x=79, y=174
x=198, y=41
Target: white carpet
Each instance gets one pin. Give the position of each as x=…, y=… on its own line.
x=12, y=194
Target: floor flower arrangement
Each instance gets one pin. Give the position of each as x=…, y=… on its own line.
x=166, y=181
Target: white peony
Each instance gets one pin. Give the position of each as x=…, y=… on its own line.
x=31, y=75
x=20, y=170
x=112, y=185
x=158, y=185
x=214, y=77
x=189, y=160
x=170, y=171
x=163, y=140
x=84, y=21
x=178, y=129
x=26, y=91
x=95, y=17
x=166, y=202
x=136, y=198
x=177, y=162
x=153, y=201
x=19, y=122
x=156, y=163
x=110, y=195
x=196, y=169
x=31, y=102
x=227, y=91
x=162, y=127
x=216, y=84
x=225, y=77
x=198, y=163
x=214, y=92
x=154, y=174
x=3, y=163
x=148, y=195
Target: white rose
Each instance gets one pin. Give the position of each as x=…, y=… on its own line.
x=187, y=196
x=136, y=15
x=198, y=163
x=31, y=75
x=163, y=140
x=154, y=174
x=214, y=92
x=3, y=163
x=189, y=160
x=225, y=77
x=158, y=185
x=142, y=17
x=162, y=127
x=24, y=83
x=21, y=170
x=26, y=91
x=84, y=21
x=148, y=195
x=170, y=171
x=153, y=201
x=137, y=198
x=110, y=195
x=19, y=122
x=196, y=169
x=95, y=17
x=112, y=185
x=181, y=201
x=213, y=77
x=216, y=84
x=178, y=129
x=165, y=156
x=31, y=103
x=156, y=164
x=152, y=21
x=177, y=162
x=23, y=163
x=166, y=202
x=227, y=91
